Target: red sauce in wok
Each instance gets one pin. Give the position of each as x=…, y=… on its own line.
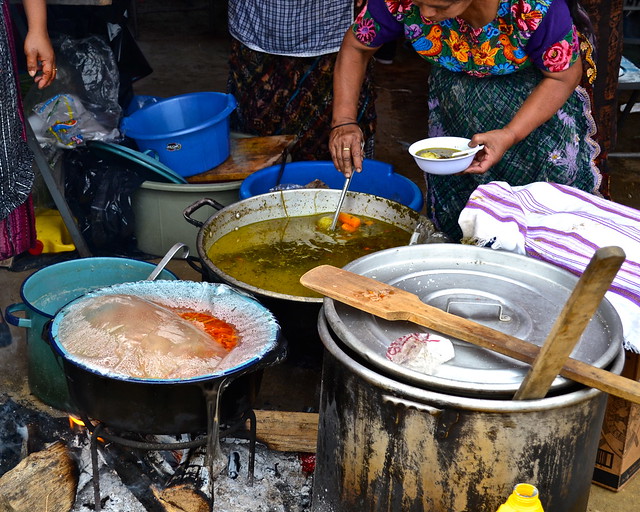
x=220, y=331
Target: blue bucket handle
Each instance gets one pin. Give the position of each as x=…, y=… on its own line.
x=16, y=320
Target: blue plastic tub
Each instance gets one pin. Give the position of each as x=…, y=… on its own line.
x=189, y=133
x=377, y=178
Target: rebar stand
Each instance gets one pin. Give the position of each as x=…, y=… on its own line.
x=100, y=431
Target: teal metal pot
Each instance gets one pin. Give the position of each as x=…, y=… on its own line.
x=49, y=289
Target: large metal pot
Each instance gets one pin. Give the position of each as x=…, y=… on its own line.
x=297, y=314
x=174, y=405
x=393, y=438
x=511, y=293
x=47, y=290
x=385, y=445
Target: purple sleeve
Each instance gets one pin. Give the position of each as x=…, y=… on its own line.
x=375, y=25
x=555, y=27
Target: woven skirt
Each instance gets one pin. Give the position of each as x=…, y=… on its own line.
x=279, y=95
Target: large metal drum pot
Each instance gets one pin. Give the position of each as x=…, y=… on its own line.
x=297, y=314
x=47, y=290
x=385, y=445
x=172, y=405
x=391, y=438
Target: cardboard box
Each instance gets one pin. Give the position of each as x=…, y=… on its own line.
x=618, y=456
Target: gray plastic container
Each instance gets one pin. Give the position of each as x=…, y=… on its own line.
x=159, y=207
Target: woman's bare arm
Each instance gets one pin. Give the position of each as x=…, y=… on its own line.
x=543, y=102
x=346, y=142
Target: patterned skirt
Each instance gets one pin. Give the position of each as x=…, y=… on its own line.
x=18, y=231
x=280, y=95
x=560, y=151
x=17, y=224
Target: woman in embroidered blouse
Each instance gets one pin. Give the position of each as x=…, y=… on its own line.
x=506, y=74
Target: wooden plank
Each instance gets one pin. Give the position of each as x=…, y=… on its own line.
x=247, y=156
x=287, y=431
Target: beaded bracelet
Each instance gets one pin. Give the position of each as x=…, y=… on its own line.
x=343, y=124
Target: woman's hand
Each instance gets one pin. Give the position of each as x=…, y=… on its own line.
x=496, y=143
x=346, y=145
x=346, y=141
x=37, y=45
x=40, y=57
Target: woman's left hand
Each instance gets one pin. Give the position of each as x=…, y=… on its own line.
x=496, y=143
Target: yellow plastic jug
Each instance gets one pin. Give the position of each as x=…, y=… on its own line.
x=524, y=498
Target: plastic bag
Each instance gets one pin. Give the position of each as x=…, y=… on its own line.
x=99, y=192
x=82, y=103
x=131, y=336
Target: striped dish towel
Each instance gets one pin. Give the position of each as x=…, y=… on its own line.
x=564, y=226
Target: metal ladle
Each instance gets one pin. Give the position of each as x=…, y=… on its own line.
x=340, y=201
x=163, y=262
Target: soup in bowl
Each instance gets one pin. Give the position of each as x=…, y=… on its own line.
x=434, y=155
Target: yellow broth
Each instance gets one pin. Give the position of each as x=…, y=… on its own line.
x=436, y=153
x=273, y=254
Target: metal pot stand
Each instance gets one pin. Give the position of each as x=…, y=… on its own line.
x=212, y=393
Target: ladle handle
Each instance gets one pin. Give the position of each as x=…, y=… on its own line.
x=167, y=257
x=347, y=182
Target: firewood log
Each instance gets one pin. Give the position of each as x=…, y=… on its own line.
x=287, y=431
x=181, y=498
x=45, y=481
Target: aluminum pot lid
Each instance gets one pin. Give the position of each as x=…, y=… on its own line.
x=514, y=294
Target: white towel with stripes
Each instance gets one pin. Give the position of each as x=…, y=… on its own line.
x=564, y=226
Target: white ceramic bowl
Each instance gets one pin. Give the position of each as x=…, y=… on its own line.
x=443, y=165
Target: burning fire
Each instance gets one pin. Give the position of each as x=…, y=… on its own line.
x=78, y=426
x=75, y=423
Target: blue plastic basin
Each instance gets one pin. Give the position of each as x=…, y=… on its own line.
x=377, y=178
x=189, y=133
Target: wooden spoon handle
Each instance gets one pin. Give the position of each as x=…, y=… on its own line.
x=571, y=323
x=391, y=303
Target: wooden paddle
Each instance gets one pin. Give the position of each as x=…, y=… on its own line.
x=391, y=303
x=571, y=323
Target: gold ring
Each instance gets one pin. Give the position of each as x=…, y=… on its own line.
x=346, y=149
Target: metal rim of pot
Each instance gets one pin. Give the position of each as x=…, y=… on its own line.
x=373, y=376
x=292, y=203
